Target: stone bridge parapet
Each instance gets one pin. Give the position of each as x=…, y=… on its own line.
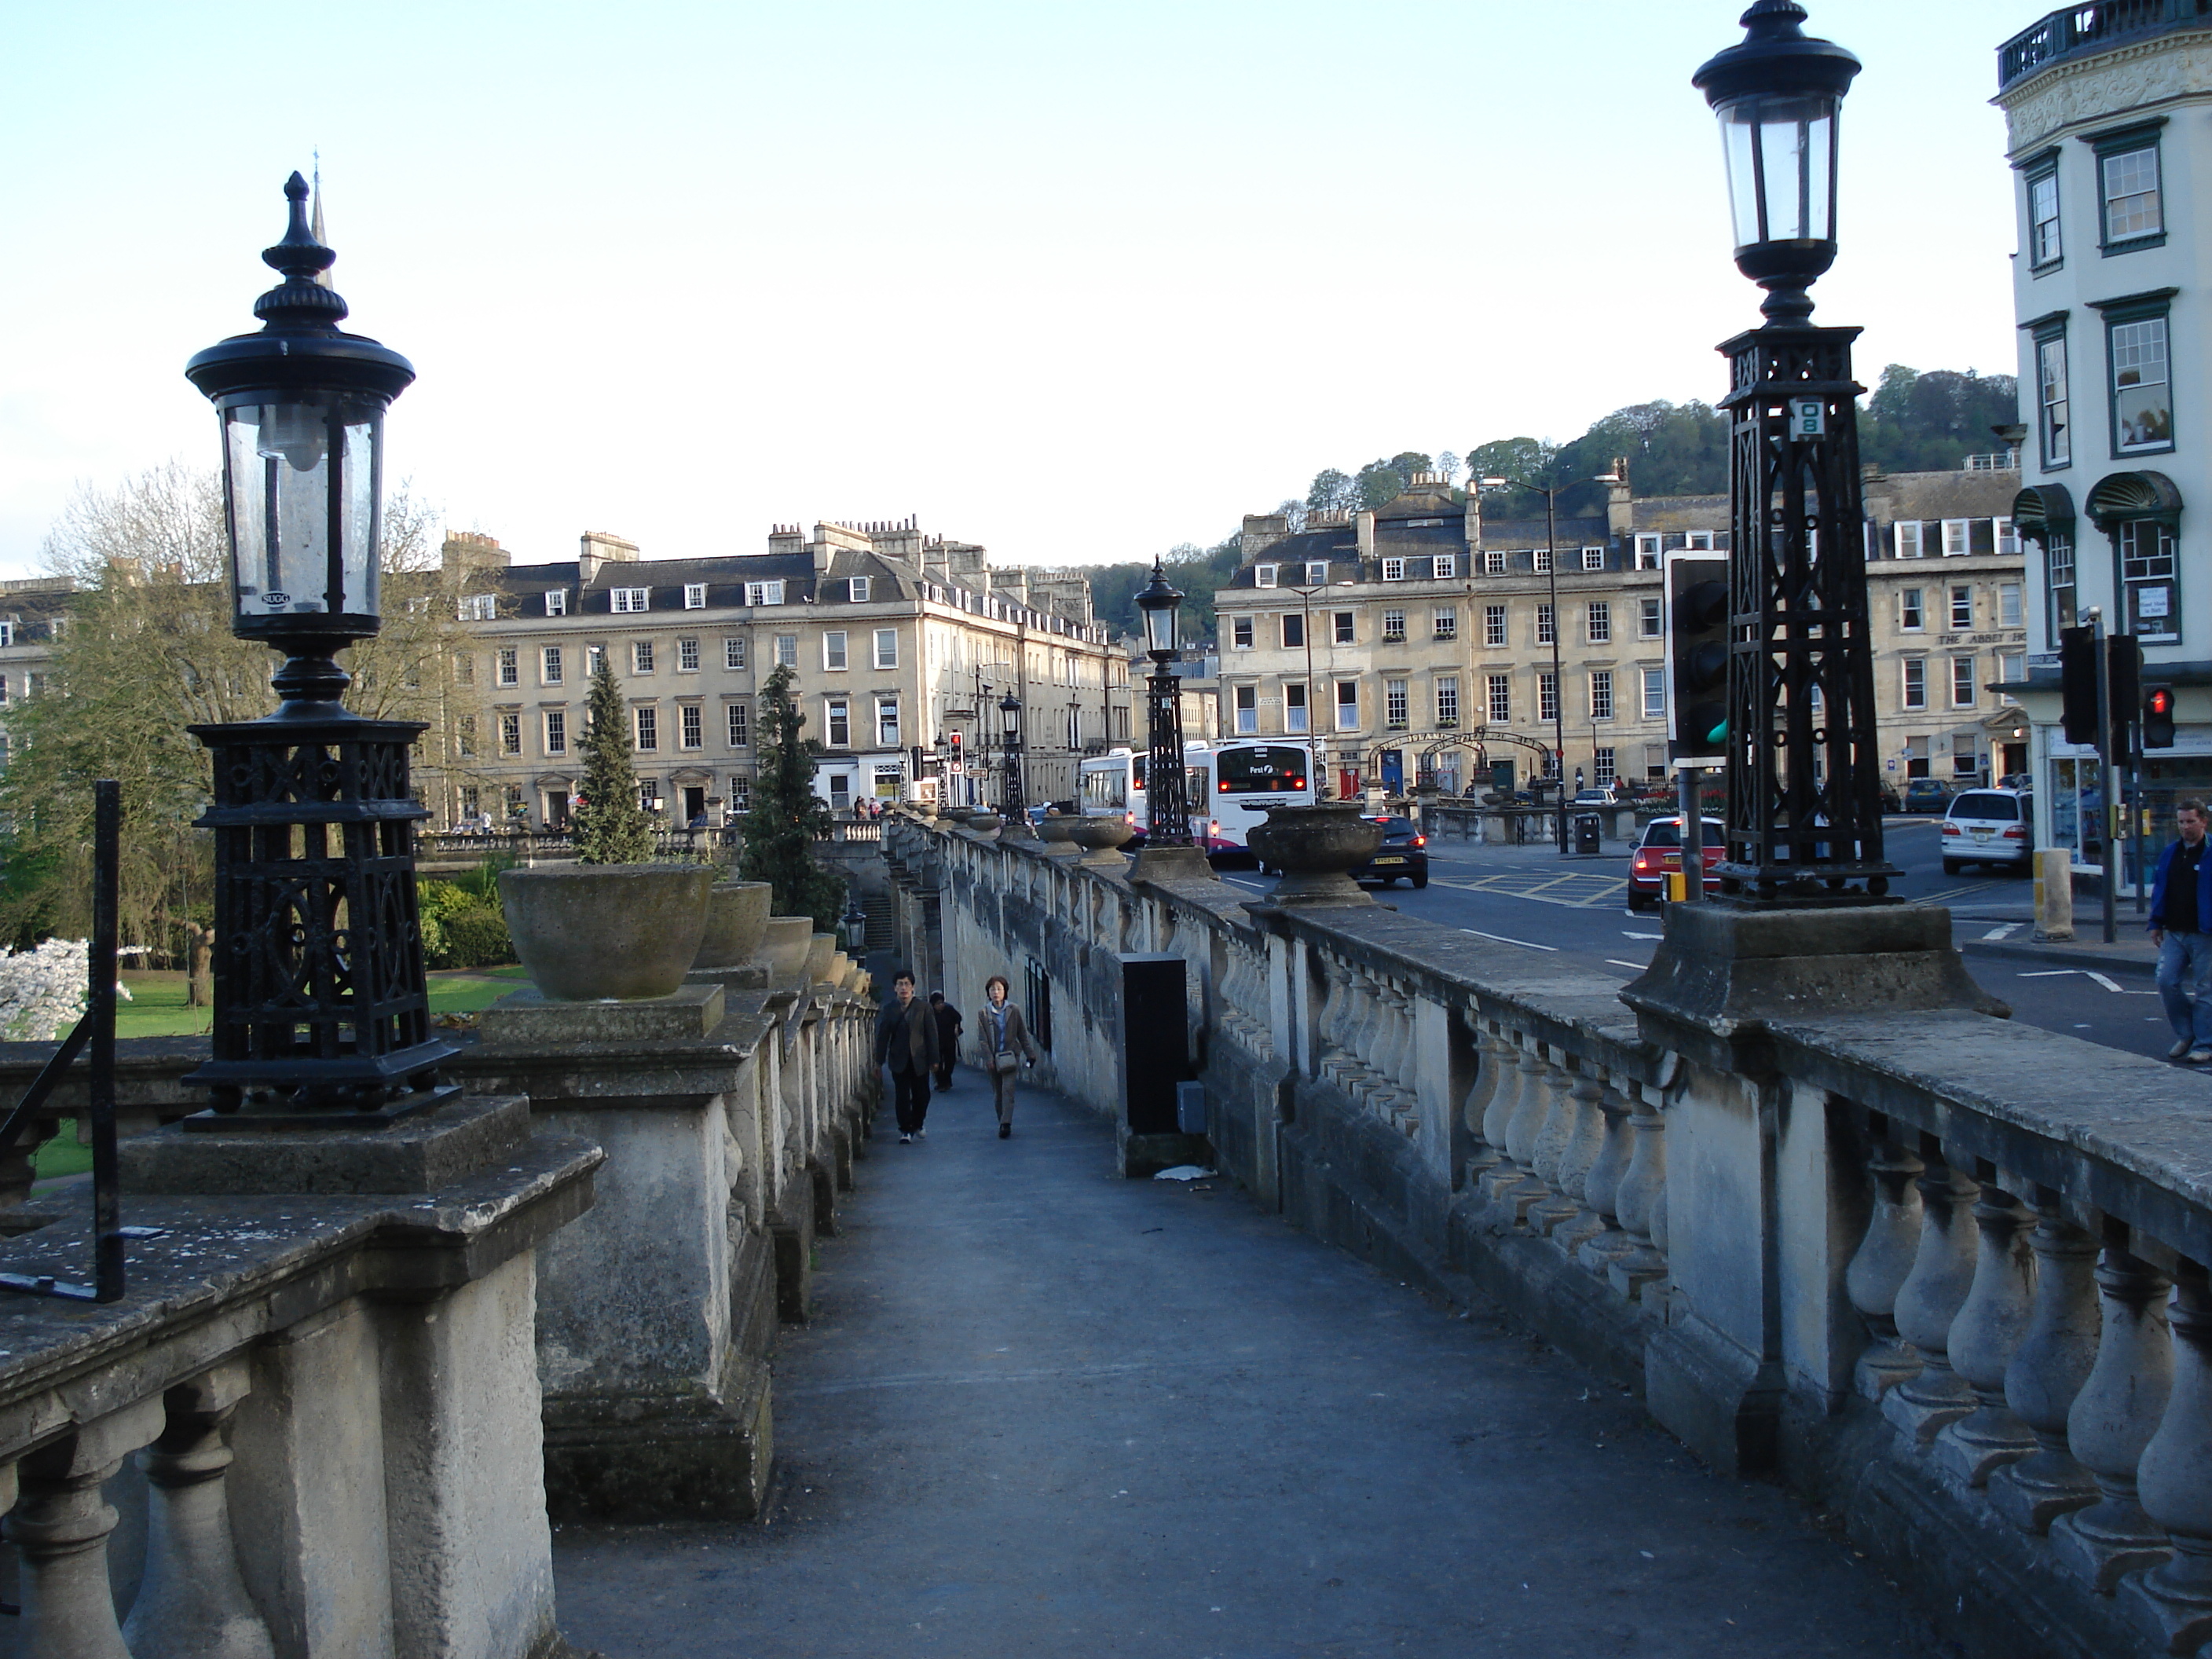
x=1944, y=1274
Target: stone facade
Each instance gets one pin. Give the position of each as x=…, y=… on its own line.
x=1414, y=640
x=896, y=638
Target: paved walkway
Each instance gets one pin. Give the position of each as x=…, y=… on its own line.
x=1044, y=1412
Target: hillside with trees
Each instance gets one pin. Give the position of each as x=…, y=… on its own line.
x=1911, y=423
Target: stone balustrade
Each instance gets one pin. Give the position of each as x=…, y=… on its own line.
x=310, y=1427
x=1945, y=1273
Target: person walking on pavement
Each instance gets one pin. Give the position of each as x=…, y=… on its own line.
x=949, y=1027
x=906, y=1040
x=1006, y=1045
x=2181, y=927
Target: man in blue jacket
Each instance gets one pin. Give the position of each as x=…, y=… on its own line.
x=2181, y=927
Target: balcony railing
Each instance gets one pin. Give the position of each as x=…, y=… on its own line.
x=2091, y=28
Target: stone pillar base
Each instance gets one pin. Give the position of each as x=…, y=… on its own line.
x=1172, y=864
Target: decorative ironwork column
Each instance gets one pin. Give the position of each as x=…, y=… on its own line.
x=1804, y=767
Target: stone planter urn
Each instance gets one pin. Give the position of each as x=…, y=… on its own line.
x=959, y=814
x=592, y=933
x=737, y=914
x=983, y=822
x=1101, y=839
x=1058, y=834
x=786, y=942
x=820, y=947
x=1316, y=847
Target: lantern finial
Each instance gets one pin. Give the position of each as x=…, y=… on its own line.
x=300, y=301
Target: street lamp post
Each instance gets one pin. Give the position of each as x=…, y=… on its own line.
x=1551, y=495
x=1169, y=849
x=1015, y=808
x=321, y=1011
x=1313, y=736
x=1804, y=817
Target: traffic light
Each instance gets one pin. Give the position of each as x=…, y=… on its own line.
x=1697, y=655
x=960, y=760
x=2077, y=684
x=2158, y=717
x=2124, y=698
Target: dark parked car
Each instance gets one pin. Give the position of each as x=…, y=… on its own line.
x=1658, y=851
x=1404, y=852
x=1890, y=803
x=1926, y=795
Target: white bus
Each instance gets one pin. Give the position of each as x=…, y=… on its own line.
x=1231, y=787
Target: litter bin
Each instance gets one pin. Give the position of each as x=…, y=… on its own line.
x=1586, y=832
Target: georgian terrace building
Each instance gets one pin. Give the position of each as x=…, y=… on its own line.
x=1416, y=639
x=2108, y=118
x=896, y=641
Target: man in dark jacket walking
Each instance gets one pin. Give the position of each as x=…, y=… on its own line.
x=949, y=1027
x=2181, y=927
x=906, y=1040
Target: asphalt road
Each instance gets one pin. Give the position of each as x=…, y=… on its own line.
x=1575, y=909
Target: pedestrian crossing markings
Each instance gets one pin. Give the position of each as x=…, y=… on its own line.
x=1580, y=890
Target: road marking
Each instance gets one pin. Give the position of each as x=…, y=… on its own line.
x=1246, y=881
x=1579, y=890
x=1625, y=933
x=2005, y=932
x=1957, y=892
x=1501, y=939
x=1618, y=963
x=2112, y=986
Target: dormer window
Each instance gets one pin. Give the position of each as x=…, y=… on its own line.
x=557, y=602
x=1647, y=552
x=764, y=592
x=1593, y=558
x=7, y=634
x=630, y=599
x=1317, y=572
x=1447, y=566
x=1263, y=576
x=859, y=589
x=479, y=607
x=1394, y=570
x=695, y=596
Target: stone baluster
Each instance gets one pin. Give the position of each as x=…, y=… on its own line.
x=1330, y=1025
x=1584, y=1142
x=1584, y=1129
x=1505, y=1053
x=1396, y=1059
x=1601, y=1186
x=2047, y=1371
x=2113, y=1419
x=1881, y=1265
x=2173, y=1602
x=1528, y=1112
x=1991, y=1323
x=60, y=1525
x=192, y=1604
x=1492, y=1056
x=1643, y=1263
x=1929, y=1299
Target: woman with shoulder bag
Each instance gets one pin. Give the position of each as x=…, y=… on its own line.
x=1006, y=1046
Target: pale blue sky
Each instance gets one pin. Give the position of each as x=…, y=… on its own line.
x=1077, y=281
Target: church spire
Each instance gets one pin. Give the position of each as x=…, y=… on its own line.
x=322, y=276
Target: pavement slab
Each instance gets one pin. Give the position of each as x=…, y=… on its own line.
x=1042, y=1411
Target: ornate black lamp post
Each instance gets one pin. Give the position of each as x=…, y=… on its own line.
x=1804, y=810
x=1167, y=789
x=321, y=1015
x=1015, y=807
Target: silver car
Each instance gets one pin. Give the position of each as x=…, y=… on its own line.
x=1989, y=826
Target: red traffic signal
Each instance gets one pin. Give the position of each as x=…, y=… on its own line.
x=2158, y=717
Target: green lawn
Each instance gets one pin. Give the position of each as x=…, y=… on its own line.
x=157, y=1007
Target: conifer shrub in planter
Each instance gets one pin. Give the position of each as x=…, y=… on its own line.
x=614, y=924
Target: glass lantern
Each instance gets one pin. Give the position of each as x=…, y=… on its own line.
x=1778, y=92
x=1010, y=718
x=302, y=484
x=1161, y=603
x=302, y=406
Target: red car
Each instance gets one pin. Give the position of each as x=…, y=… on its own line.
x=1659, y=851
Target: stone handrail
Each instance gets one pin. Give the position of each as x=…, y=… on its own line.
x=1944, y=1273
